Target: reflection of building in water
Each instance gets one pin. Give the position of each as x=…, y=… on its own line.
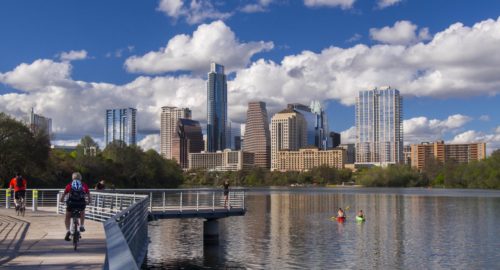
x=280, y=225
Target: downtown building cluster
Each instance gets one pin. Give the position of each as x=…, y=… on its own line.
x=296, y=138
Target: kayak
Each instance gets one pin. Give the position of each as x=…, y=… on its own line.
x=358, y=218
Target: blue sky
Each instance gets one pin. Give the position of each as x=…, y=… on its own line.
x=74, y=58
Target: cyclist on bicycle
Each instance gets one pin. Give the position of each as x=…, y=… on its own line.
x=18, y=184
x=76, y=191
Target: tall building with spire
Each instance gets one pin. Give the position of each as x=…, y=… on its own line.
x=379, y=127
x=169, y=117
x=216, y=108
x=257, y=134
x=288, y=132
x=120, y=126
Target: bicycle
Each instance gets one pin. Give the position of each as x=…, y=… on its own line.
x=75, y=215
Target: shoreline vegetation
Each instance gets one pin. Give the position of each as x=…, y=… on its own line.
x=125, y=166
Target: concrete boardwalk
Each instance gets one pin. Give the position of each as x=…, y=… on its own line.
x=36, y=241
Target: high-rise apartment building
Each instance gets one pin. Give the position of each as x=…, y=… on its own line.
x=216, y=108
x=187, y=138
x=257, y=134
x=424, y=153
x=288, y=132
x=120, y=126
x=38, y=123
x=379, y=127
x=169, y=117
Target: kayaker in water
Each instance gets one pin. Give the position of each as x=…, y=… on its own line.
x=360, y=214
x=340, y=213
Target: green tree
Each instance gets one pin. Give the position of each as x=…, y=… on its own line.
x=20, y=149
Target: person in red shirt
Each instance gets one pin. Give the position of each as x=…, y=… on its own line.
x=76, y=191
x=18, y=184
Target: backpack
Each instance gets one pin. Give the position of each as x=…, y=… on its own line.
x=19, y=182
x=76, y=193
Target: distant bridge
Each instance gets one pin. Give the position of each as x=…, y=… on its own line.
x=125, y=213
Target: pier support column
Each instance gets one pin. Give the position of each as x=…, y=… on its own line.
x=211, y=232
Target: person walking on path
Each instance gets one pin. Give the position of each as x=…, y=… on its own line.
x=226, y=193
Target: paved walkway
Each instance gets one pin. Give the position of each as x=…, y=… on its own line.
x=36, y=241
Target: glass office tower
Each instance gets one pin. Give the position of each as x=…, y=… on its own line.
x=120, y=126
x=379, y=127
x=216, y=108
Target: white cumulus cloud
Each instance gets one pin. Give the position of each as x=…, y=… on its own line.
x=259, y=6
x=387, y=3
x=151, y=141
x=194, y=11
x=210, y=42
x=402, y=33
x=449, y=65
x=348, y=135
x=422, y=129
x=344, y=4
x=73, y=55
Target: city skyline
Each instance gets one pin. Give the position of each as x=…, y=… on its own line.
x=57, y=66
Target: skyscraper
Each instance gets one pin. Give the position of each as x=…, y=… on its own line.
x=257, y=134
x=216, y=108
x=321, y=133
x=120, y=125
x=317, y=124
x=38, y=123
x=186, y=139
x=169, y=117
x=379, y=128
x=288, y=132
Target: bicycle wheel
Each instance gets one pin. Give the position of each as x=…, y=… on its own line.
x=76, y=237
x=23, y=207
x=18, y=208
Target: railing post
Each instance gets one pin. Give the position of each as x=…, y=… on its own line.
x=151, y=202
x=213, y=201
x=34, y=201
x=180, y=204
x=57, y=202
x=163, y=195
x=197, y=200
x=243, y=206
x=7, y=198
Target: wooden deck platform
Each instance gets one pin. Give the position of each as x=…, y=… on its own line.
x=36, y=241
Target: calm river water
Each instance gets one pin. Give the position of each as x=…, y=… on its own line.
x=291, y=229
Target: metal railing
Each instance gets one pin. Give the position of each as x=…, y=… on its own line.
x=34, y=198
x=162, y=200
x=125, y=218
